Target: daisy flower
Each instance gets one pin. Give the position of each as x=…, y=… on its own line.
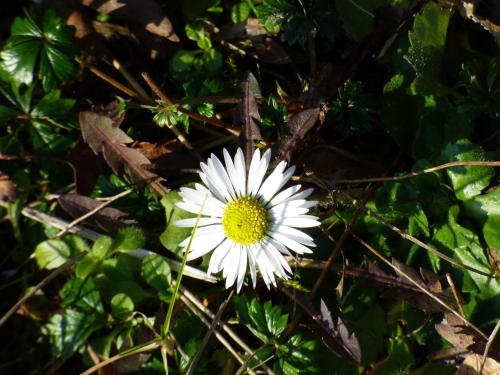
x=246, y=220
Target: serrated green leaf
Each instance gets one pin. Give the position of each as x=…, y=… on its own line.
x=82, y=295
x=486, y=209
x=130, y=238
x=467, y=181
x=172, y=236
x=156, y=272
x=69, y=331
x=122, y=306
x=51, y=254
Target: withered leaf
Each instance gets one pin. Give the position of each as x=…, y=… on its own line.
x=167, y=158
x=107, y=218
x=349, y=341
x=98, y=131
x=463, y=337
x=402, y=288
x=338, y=339
x=144, y=12
x=247, y=112
x=295, y=130
x=472, y=366
x=8, y=191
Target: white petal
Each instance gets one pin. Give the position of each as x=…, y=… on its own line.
x=234, y=266
x=294, y=234
x=203, y=221
x=198, y=197
x=287, y=209
x=242, y=269
x=196, y=209
x=218, y=256
x=257, y=171
x=262, y=266
x=231, y=171
x=278, y=262
x=241, y=172
x=291, y=244
x=302, y=195
x=223, y=177
x=281, y=248
x=251, y=263
x=309, y=204
x=272, y=183
x=285, y=194
x=215, y=184
x=204, y=248
x=300, y=221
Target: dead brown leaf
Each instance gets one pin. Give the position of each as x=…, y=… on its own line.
x=107, y=218
x=472, y=366
x=110, y=141
x=464, y=338
x=144, y=12
x=8, y=191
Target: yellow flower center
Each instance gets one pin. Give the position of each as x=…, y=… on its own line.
x=245, y=221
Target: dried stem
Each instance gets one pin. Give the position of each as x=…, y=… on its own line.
x=418, y=173
x=487, y=348
x=207, y=336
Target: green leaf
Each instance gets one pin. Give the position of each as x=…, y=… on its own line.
x=130, y=238
x=467, y=181
x=486, y=210
x=51, y=254
x=196, y=32
x=122, y=306
x=296, y=356
x=463, y=244
x=172, y=236
x=240, y=12
x=265, y=321
x=426, y=53
x=430, y=26
x=183, y=61
x=101, y=247
x=358, y=18
x=86, y=266
x=69, y=331
x=43, y=40
x=118, y=275
x=82, y=295
x=399, y=360
x=156, y=272
x=7, y=113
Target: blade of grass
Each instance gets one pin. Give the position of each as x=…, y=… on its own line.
x=145, y=347
x=168, y=318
